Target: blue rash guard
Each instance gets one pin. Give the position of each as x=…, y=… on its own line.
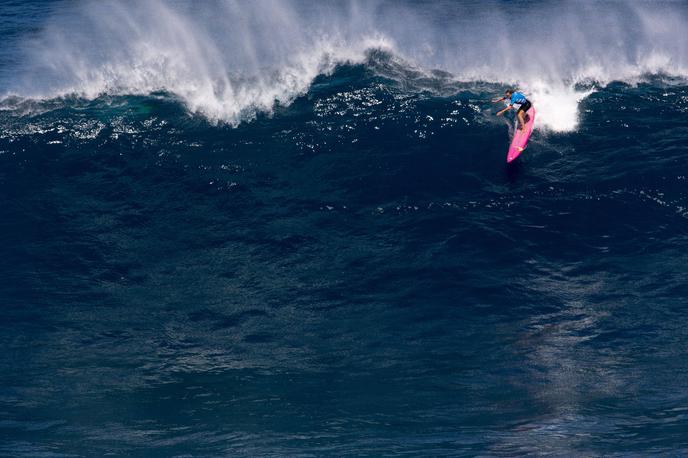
x=517, y=99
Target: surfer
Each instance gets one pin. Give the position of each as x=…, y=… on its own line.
x=515, y=100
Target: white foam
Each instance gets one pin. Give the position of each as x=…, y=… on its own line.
x=557, y=106
x=230, y=59
x=226, y=75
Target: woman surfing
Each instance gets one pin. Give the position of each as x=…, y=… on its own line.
x=518, y=101
x=525, y=113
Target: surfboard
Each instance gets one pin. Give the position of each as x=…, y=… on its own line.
x=520, y=140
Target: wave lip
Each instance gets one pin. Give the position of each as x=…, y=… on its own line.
x=224, y=74
x=230, y=60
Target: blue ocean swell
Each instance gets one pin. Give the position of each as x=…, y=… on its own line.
x=357, y=273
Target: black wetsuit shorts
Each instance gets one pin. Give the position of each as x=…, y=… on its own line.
x=525, y=107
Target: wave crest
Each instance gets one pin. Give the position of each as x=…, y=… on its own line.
x=229, y=59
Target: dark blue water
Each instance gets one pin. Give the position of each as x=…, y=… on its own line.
x=357, y=273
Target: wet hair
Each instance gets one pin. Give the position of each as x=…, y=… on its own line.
x=509, y=91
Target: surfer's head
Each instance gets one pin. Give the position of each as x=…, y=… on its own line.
x=509, y=92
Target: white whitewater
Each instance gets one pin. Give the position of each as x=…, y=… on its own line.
x=231, y=59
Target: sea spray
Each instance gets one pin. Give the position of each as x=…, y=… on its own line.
x=229, y=60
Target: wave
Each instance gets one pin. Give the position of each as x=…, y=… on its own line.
x=229, y=60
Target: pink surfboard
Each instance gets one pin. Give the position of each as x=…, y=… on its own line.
x=518, y=144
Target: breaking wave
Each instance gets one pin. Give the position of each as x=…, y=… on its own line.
x=230, y=60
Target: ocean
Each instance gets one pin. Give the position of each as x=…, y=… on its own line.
x=287, y=228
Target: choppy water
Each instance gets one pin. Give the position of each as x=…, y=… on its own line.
x=350, y=271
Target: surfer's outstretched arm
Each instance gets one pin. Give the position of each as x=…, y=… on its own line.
x=500, y=112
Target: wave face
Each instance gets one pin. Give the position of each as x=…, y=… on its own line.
x=229, y=60
x=276, y=229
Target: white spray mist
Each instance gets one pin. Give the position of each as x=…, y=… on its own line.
x=229, y=59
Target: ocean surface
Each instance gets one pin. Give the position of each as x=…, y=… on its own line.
x=282, y=228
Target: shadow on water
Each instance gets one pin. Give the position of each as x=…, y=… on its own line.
x=514, y=171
